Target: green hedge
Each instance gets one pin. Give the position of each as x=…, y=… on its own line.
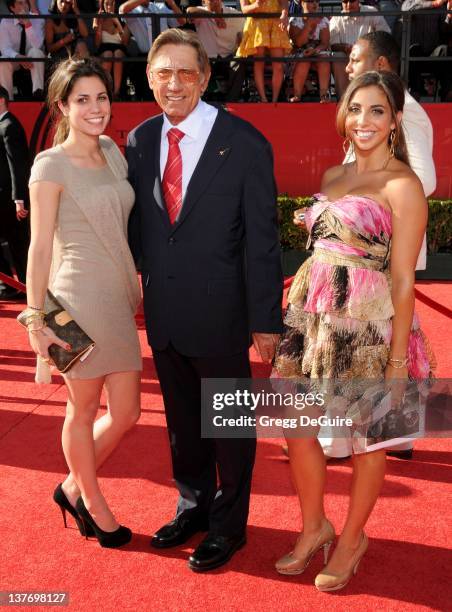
x=439, y=230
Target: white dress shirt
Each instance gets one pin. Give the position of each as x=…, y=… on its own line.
x=196, y=127
x=346, y=29
x=418, y=132
x=10, y=33
x=219, y=41
x=141, y=28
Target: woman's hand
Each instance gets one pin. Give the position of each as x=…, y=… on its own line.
x=392, y=373
x=284, y=21
x=42, y=339
x=298, y=217
x=396, y=381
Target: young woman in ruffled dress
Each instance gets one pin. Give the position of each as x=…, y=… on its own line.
x=351, y=307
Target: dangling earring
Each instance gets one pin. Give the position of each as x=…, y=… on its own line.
x=392, y=143
x=348, y=148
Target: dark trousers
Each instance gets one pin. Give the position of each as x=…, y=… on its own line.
x=17, y=235
x=195, y=459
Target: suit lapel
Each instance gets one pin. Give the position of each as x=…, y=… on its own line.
x=215, y=153
x=156, y=183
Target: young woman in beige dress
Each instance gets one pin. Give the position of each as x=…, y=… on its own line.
x=80, y=203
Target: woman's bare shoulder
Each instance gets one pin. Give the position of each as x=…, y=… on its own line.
x=403, y=185
x=332, y=174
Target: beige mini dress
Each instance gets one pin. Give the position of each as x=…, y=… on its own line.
x=93, y=273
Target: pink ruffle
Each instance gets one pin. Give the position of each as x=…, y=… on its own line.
x=368, y=295
x=359, y=212
x=419, y=359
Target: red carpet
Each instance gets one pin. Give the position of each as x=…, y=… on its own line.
x=407, y=567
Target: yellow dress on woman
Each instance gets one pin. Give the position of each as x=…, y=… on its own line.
x=263, y=32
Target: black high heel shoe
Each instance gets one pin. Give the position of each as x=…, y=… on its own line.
x=65, y=506
x=107, y=539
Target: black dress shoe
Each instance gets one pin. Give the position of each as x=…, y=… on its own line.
x=401, y=454
x=178, y=532
x=215, y=551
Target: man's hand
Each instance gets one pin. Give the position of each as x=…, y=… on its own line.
x=21, y=212
x=265, y=345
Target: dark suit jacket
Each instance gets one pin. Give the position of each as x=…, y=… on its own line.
x=14, y=160
x=215, y=275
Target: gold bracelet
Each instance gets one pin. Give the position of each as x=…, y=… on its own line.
x=31, y=310
x=37, y=329
x=38, y=316
x=398, y=363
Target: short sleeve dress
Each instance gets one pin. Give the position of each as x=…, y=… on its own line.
x=93, y=273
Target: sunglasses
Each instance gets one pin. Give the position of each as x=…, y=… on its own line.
x=184, y=75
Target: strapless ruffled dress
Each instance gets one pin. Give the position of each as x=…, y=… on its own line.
x=339, y=319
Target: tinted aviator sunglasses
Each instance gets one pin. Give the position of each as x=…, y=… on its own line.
x=184, y=75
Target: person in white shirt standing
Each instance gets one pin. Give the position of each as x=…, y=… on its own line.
x=220, y=38
x=345, y=31
x=22, y=38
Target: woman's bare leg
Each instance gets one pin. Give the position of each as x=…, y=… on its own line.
x=324, y=72
x=123, y=393
x=107, y=65
x=308, y=468
x=368, y=476
x=258, y=70
x=117, y=72
x=277, y=74
x=299, y=78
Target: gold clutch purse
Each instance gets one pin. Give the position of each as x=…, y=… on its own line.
x=64, y=326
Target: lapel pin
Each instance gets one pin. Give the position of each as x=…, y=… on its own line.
x=223, y=151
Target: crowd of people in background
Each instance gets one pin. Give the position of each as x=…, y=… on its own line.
x=319, y=45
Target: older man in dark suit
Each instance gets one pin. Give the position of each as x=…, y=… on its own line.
x=205, y=227
x=14, y=174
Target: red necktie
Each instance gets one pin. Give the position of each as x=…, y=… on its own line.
x=172, y=176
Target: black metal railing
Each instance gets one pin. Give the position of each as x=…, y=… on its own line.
x=405, y=18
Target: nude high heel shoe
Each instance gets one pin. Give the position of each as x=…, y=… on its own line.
x=289, y=565
x=334, y=582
